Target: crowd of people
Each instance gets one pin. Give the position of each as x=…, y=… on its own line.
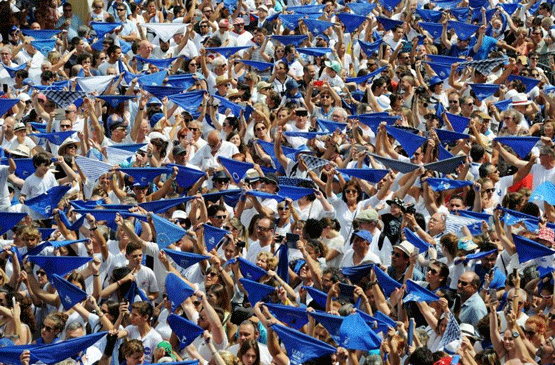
x=263, y=182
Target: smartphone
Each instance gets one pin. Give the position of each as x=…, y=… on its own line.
x=5, y=88
x=515, y=272
x=455, y=360
x=291, y=240
x=189, y=136
x=492, y=294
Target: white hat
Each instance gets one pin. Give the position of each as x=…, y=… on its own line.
x=406, y=247
x=24, y=97
x=67, y=141
x=179, y=214
x=158, y=135
x=521, y=99
x=384, y=102
x=21, y=151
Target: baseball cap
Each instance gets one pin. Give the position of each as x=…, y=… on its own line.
x=367, y=215
x=334, y=65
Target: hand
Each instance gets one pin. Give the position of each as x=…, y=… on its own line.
x=124, y=308
x=25, y=357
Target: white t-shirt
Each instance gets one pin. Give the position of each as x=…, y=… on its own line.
x=204, y=158
x=541, y=175
x=150, y=340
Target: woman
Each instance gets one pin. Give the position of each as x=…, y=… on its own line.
x=440, y=324
x=334, y=241
x=97, y=14
x=249, y=353
x=15, y=318
x=511, y=125
x=488, y=198
x=261, y=131
x=52, y=326
x=279, y=77
x=348, y=205
x=151, y=14
x=85, y=61
x=437, y=275
x=286, y=216
x=507, y=346
x=449, y=246
x=235, y=138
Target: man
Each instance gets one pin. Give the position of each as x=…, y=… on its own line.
x=473, y=307
x=140, y=329
x=265, y=234
x=114, y=54
x=210, y=320
x=249, y=331
x=395, y=38
x=144, y=51
x=400, y=263
x=360, y=253
x=542, y=172
x=217, y=215
x=367, y=220
x=69, y=21
x=142, y=275
x=8, y=134
x=291, y=58
x=207, y=156
x=128, y=30
x=39, y=182
x=6, y=58
x=242, y=37
x=92, y=353
x=461, y=48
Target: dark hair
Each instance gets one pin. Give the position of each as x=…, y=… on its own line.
x=483, y=169
x=84, y=56
x=40, y=159
x=133, y=246
x=312, y=229
x=356, y=185
x=213, y=209
x=531, y=209
x=246, y=346
x=477, y=152
x=112, y=49
x=421, y=356
x=144, y=308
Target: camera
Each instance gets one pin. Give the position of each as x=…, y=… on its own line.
x=408, y=210
x=240, y=244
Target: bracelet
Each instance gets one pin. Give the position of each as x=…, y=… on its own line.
x=96, y=275
x=93, y=229
x=141, y=108
x=118, y=283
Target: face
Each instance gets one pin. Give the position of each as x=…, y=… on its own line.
x=283, y=211
x=263, y=230
x=259, y=130
x=79, y=332
x=398, y=258
x=211, y=278
x=230, y=251
x=432, y=275
x=464, y=285
x=351, y=193
x=436, y=223
x=5, y=56
x=3, y=299
x=48, y=331
x=249, y=357
x=135, y=359
x=236, y=140
x=456, y=204
x=508, y=340
x=135, y=258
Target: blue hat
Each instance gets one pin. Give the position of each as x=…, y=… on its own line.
x=434, y=80
x=155, y=118
x=291, y=84
x=364, y=234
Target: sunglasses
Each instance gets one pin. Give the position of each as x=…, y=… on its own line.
x=220, y=216
x=432, y=271
x=463, y=283
x=264, y=229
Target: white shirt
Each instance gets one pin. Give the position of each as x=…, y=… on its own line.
x=204, y=158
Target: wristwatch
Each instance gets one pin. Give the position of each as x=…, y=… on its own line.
x=516, y=334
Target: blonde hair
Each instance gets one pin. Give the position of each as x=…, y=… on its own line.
x=271, y=260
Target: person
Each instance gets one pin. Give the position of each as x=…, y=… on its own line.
x=473, y=308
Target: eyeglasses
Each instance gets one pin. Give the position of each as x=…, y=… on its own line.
x=325, y=96
x=212, y=273
x=534, y=58
x=260, y=129
x=283, y=208
x=65, y=125
x=221, y=181
x=432, y=271
x=490, y=191
x=351, y=191
x=41, y=273
x=220, y=216
x=454, y=101
x=121, y=9
x=204, y=26
x=463, y=283
x=396, y=254
x=71, y=146
x=193, y=129
x=264, y=229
